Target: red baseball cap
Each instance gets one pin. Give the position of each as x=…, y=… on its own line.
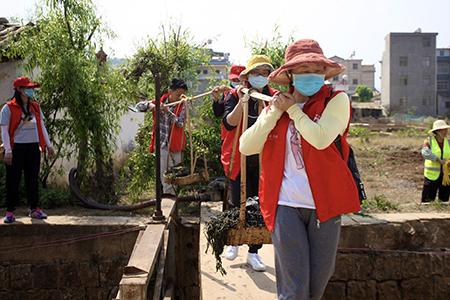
x=235, y=70
x=25, y=82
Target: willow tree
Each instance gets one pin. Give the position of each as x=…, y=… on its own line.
x=80, y=95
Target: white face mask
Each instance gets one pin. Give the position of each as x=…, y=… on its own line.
x=258, y=82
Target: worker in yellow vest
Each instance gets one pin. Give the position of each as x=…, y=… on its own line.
x=436, y=152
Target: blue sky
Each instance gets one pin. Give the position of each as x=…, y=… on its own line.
x=340, y=26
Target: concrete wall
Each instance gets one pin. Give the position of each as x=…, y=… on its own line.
x=385, y=74
x=89, y=269
x=8, y=72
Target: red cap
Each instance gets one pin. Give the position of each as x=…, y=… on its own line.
x=25, y=82
x=235, y=70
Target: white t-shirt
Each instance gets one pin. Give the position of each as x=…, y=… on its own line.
x=26, y=132
x=295, y=189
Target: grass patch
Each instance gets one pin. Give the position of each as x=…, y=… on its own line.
x=379, y=203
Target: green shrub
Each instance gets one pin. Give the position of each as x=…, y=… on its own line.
x=379, y=203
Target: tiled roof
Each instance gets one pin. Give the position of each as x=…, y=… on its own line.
x=8, y=31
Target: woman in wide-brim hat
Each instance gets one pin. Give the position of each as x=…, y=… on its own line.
x=305, y=184
x=436, y=153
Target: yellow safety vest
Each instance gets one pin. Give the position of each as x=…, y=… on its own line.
x=432, y=169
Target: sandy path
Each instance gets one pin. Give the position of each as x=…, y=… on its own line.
x=241, y=282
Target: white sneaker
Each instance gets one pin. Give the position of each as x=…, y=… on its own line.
x=254, y=260
x=231, y=252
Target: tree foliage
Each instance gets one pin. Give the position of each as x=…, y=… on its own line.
x=364, y=92
x=171, y=54
x=274, y=47
x=81, y=97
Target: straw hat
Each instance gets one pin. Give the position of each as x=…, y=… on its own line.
x=304, y=52
x=254, y=62
x=438, y=124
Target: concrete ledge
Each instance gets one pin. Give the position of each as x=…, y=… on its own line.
x=87, y=220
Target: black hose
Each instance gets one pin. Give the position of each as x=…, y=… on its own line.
x=91, y=203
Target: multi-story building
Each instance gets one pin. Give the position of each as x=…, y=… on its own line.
x=443, y=80
x=408, y=73
x=355, y=74
x=216, y=70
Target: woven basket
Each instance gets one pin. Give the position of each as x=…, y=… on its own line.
x=242, y=234
x=249, y=236
x=186, y=180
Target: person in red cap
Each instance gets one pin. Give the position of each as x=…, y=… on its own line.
x=24, y=137
x=220, y=92
x=305, y=183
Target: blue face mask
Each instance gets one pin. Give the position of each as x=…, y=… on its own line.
x=234, y=84
x=308, y=84
x=29, y=93
x=258, y=82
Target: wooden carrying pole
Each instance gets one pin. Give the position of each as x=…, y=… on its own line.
x=254, y=94
x=188, y=121
x=186, y=99
x=243, y=203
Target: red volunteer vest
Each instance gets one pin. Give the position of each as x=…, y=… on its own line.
x=16, y=117
x=227, y=146
x=177, y=137
x=332, y=185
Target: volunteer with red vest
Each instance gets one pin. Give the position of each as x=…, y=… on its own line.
x=24, y=137
x=172, y=136
x=220, y=92
x=254, y=76
x=305, y=185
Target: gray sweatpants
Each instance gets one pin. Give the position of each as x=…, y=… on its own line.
x=305, y=252
x=168, y=160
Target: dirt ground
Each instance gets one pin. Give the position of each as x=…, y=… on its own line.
x=391, y=167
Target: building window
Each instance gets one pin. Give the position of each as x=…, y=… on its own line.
x=442, y=85
x=205, y=71
x=403, y=61
x=426, y=61
x=355, y=81
x=355, y=66
x=426, y=41
x=443, y=68
x=403, y=80
x=426, y=79
x=336, y=78
x=441, y=52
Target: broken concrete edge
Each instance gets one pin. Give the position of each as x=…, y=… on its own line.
x=404, y=217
